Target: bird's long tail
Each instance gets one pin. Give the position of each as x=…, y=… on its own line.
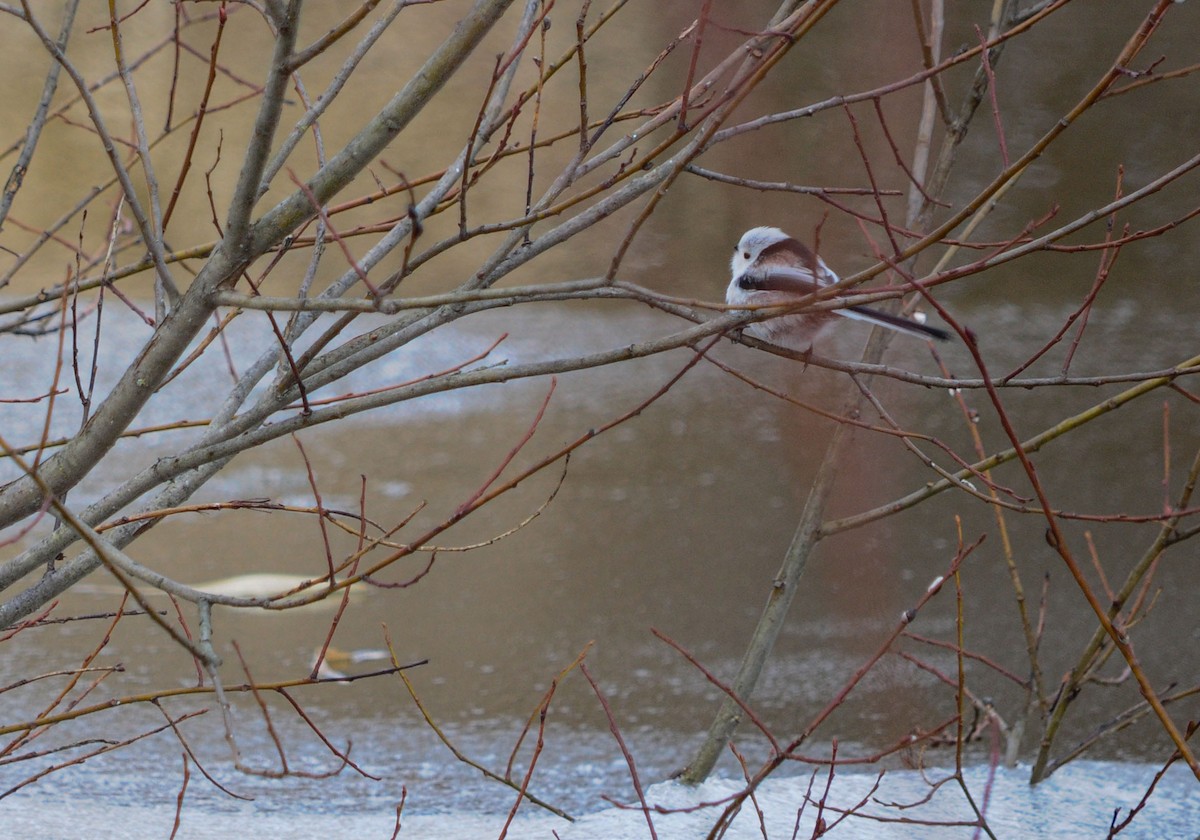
x=894, y=322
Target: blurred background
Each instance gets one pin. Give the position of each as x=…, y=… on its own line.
x=678, y=519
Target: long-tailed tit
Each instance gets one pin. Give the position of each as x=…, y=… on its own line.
x=771, y=268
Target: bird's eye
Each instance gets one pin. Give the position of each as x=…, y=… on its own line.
x=745, y=255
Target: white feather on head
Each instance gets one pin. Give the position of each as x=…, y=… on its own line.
x=752, y=243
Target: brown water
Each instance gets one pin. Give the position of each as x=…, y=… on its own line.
x=677, y=520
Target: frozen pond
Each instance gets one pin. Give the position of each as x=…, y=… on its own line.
x=1059, y=809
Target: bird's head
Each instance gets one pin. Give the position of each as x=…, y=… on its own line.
x=753, y=243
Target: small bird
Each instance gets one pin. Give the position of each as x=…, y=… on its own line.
x=771, y=268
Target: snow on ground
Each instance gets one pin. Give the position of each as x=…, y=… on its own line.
x=1077, y=802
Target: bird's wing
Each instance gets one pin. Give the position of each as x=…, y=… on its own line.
x=779, y=278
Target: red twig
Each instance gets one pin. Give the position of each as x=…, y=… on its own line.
x=978, y=657
x=819, y=827
x=179, y=798
x=697, y=43
x=512, y=453
x=316, y=491
x=427, y=377
x=985, y=58
x=712, y=678
x=201, y=112
x=533, y=759
x=399, y=810
x=342, y=755
x=345, y=601
x=1116, y=828
x=885, y=223
x=333, y=233
x=616, y=731
x=189, y=753
x=899, y=158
